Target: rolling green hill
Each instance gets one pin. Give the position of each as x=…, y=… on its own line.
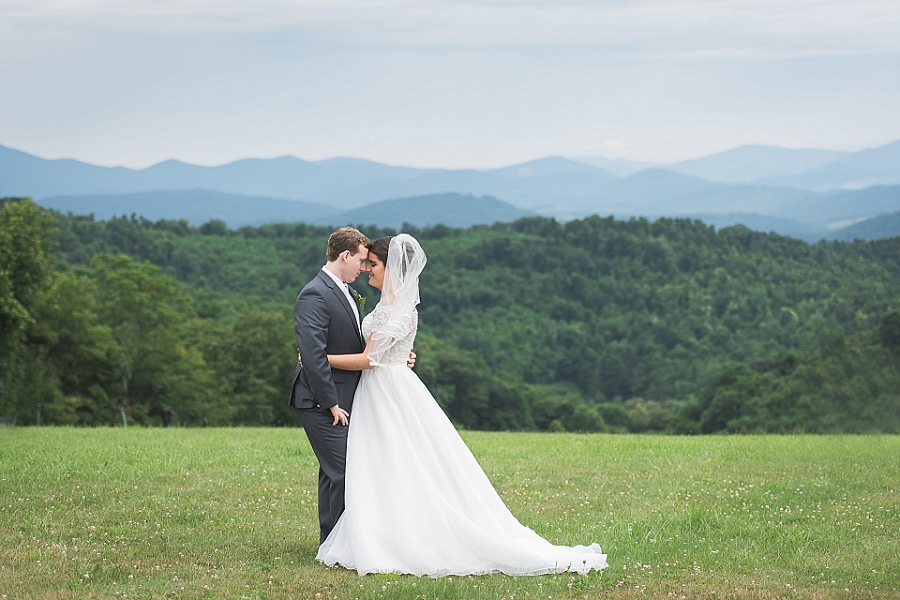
x=596, y=324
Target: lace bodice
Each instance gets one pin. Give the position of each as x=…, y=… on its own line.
x=399, y=352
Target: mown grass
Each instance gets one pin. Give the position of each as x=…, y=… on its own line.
x=231, y=513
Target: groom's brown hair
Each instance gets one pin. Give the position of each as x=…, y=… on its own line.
x=345, y=238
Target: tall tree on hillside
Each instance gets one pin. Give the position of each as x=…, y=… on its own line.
x=25, y=266
x=72, y=357
x=148, y=313
x=253, y=360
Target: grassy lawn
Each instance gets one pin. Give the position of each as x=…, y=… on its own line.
x=213, y=513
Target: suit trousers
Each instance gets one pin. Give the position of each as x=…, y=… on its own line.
x=329, y=442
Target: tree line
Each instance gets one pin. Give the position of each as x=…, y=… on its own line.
x=591, y=325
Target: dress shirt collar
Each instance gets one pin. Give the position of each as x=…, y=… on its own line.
x=344, y=287
x=340, y=283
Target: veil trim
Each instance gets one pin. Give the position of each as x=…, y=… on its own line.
x=394, y=318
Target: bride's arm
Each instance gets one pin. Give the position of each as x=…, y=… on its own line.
x=352, y=362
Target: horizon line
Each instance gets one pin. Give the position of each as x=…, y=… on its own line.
x=576, y=159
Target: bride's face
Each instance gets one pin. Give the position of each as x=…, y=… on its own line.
x=375, y=269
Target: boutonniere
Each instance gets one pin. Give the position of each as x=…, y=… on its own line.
x=360, y=300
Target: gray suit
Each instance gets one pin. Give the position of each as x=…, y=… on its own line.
x=325, y=324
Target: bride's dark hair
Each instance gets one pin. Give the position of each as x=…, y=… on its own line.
x=380, y=248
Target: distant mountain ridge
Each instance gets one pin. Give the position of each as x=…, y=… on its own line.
x=880, y=227
x=252, y=191
x=753, y=164
x=452, y=210
x=805, y=169
x=194, y=206
x=201, y=206
x=879, y=166
x=349, y=182
x=286, y=177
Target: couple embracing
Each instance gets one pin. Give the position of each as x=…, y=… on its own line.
x=399, y=491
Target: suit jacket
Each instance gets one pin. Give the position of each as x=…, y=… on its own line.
x=325, y=324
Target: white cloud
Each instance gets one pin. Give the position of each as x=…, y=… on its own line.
x=444, y=82
x=653, y=27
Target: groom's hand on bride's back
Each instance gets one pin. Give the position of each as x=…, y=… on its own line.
x=412, y=360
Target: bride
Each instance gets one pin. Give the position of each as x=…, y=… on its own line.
x=416, y=499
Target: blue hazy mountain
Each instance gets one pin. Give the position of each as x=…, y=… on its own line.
x=566, y=190
x=428, y=183
x=819, y=216
x=549, y=167
x=619, y=167
x=286, y=177
x=786, y=227
x=746, y=164
x=751, y=164
x=844, y=205
x=548, y=185
x=807, y=169
x=452, y=210
x=658, y=192
x=194, y=206
x=201, y=206
x=341, y=183
x=553, y=186
x=879, y=166
x=341, y=180
x=876, y=228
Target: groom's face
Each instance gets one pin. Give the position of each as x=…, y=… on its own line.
x=353, y=264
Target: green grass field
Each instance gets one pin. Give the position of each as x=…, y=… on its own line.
x=201, y=513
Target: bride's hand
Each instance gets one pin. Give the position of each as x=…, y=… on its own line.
x=411, y=362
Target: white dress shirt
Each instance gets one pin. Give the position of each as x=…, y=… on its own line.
x=347, y=294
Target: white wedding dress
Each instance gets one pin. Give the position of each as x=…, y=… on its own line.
x=416, y=499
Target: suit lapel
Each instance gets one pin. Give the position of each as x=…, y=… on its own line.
x=344, y=302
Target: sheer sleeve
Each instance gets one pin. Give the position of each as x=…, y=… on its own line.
x=386, y=333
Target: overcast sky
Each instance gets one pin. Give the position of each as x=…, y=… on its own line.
x=441, y=83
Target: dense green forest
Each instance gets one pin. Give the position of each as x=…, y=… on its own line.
x=591, y=325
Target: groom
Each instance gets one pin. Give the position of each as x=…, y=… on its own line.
x=327, y=321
